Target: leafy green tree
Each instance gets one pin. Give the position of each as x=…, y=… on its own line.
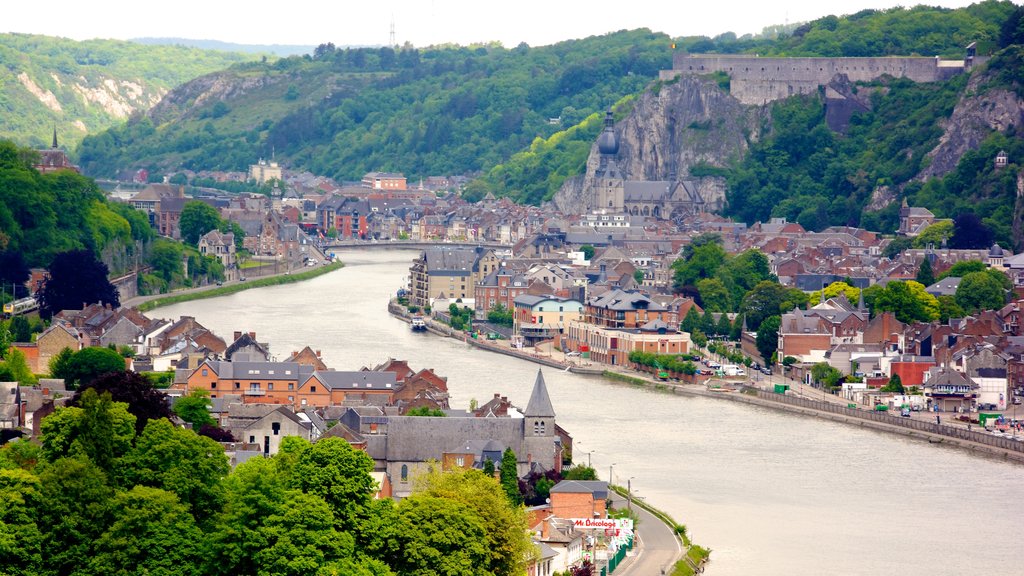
x=76, y=278
x=14, y=271
x=510, y=477
x=703, y=262
x=934, y=235
x=440, y=536
x=579, y=472
x=980, y=291
x=833, y=290
x=101, y=430
x=948, y=308
x=194, y=408
x=60, y=362
x=425, y=411
x=20, y=536
x=769, y=299
x=505, y=524
x=714, y=295
x=165, y=256
x=963, y=268
x=907, y=300
x=489, y=468
x=638, y=276
x=17, y=367
x=896, y=246
x=500, y=315
x=825, y=375
x=153, y=533
x=723, y=328
x=179, y=461
x=339, y=474
x=197, y=218
x=5, y=339
x=925, y=275
x=691, y=322
x=89, y=363
x=144, y=401
x=707, y=323
x=895, y=385
x=75, y=509
x=768, y=336
x=20, y=329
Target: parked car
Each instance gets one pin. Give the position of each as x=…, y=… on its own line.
x=905, y=412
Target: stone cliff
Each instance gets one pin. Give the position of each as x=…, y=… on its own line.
x=981, y=111
x=689, y=122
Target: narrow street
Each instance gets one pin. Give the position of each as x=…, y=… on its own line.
x=659, y=549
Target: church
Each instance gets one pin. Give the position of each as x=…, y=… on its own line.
x=612, y=193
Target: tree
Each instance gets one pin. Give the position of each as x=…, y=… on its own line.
x=489, y=468
x=194, y=408
x=703, y=262
x=60, y=362
x=924, y=274
x=580, y=472
x=20, y=537
x=439, y=536
x=165, y=256
x=895, y=384
x=963, y=268
x=969, y=232
x=76, y=279
x=74, y=508
x=980, y=291
x=896, y=246
x=144, y=401
x=723, y=328
x=505, y=524
x=17, y=367
x=769, y=299
x=691, y=322
x=100, y=429
x=14, y=272
x=179, y=461
x=89, y=363
x=425, y=411
x=638, y=276
x=714, y=295
x=768, y=337
x=934, y=235
x=339, y=474
x=588, y=251
x=833, y=290
x=948, y=308
x=153, y=533
x=197, y=218
x=907, y=300
x=510, y=477
x=21, y=330
x=825, y=375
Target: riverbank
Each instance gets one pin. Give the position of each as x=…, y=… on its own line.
x=144, y=303
x=973, y=441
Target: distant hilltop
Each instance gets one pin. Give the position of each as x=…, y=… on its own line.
x=756, y=80
x=282, y=50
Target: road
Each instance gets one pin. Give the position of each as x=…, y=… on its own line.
x=659, y=548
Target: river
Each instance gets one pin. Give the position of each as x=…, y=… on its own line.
x=770, y=493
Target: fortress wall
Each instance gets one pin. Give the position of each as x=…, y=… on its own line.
x=757, y=80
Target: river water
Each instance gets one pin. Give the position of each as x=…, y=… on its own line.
x=770, y=493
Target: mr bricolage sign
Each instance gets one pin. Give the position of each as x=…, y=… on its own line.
x=625, y=524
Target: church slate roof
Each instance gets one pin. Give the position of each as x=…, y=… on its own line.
x=421, y=438
x=540, y=403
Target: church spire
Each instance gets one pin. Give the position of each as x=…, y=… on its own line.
x=54, y=146
x=540, y=403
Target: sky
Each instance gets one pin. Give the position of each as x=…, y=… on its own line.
x=420, y=22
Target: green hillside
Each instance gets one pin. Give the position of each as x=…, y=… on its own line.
x=342, y=113
x=86, y=87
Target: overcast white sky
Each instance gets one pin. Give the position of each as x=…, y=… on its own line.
x=421, y=22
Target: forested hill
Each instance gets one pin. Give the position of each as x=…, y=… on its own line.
x=85, y=87
x=342, y=113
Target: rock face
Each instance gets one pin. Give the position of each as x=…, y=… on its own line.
x=185, y=100
x=688, y=122
x=975, y=116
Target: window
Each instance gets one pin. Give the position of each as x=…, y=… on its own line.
x=238, y=385
x=536, y=427
x=460, y=461
x=291, y=386
x=312, y=389
x=252, y=439
x=405, y=473
x=543, y=427
x=276, y=427
x=213, y=385
x=206, y=372
x=270, y=385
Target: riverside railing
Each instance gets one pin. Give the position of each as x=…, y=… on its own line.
x=903, y=422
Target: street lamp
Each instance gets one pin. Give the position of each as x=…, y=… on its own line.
x=629, y=493
x=610, y=467
x=588, y=459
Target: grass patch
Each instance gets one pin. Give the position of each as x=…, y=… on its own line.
x=225, y=290
x=623, y=378
x=698, y=553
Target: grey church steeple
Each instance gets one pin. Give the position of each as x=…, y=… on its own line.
x=540, y=403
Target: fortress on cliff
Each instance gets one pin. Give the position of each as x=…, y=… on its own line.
x=755, y=80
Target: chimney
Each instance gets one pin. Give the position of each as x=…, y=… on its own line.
x=317, y=353
x=252, y=335
x=238, y=334
x=46, y=392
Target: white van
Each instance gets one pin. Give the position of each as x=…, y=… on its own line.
x=733, y=370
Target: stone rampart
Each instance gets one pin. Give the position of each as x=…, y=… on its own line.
x=755, y=80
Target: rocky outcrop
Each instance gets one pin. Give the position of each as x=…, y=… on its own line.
x=687, y=123
x=188, y=98
x=975, y=116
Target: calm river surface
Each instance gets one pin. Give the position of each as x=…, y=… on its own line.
x=769, y=493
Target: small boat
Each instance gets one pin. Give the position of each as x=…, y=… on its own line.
x=418, y=324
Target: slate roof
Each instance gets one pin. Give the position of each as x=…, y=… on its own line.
x=421, y=438
x=540, y=403
x=450, y=261
x=359, y=380
x=598, y=488
x=623, y=300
